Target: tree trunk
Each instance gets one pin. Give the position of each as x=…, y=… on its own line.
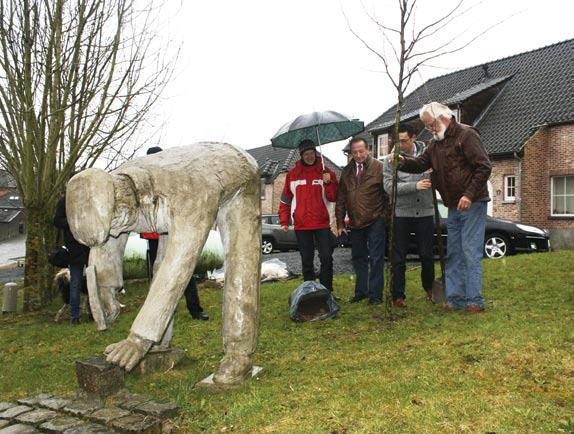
x=40, y=239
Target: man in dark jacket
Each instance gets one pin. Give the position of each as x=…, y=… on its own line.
x=363, y=198
x=78, y=254
x=305, y=197
x=461, y=168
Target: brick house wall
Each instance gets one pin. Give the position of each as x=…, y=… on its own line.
x=549, y=152
x=277, y=190
x=502, y=208
x=535, y=186
x=270, y=204
x=267, y=198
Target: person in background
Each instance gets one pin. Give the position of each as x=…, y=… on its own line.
x=414, y=212
x=461, y=168
x=78, y=254
x=362, y=197
x=307, y=190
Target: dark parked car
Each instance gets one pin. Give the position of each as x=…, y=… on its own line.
x=503, y=237
x=273, y=238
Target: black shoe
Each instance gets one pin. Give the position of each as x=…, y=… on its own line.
x=356, y=298
x=75, y=321
x=200, y=315
x=374, y=301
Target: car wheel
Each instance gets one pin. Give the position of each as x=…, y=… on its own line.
x=267, y=246
x=496, y=246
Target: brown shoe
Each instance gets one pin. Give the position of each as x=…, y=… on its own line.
x=429, y=295
x=474, y=308
x=447, y=308
x=400, y=302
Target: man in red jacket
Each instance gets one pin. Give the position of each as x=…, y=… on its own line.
x=308, y=189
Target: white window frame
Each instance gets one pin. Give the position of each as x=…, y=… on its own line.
x=564, y=195
x=508, y=197
x=382, y=145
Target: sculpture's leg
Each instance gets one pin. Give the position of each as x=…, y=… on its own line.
x=187, y=237
x=240, y=224
x=161, y=246
x=166, y=339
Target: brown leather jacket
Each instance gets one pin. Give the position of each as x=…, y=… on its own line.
x=460, y=164
x=364, y=201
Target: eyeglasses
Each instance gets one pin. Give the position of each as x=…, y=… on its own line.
x=431, y=126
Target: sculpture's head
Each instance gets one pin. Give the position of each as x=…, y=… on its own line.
x=90, y=207
x=90, y=203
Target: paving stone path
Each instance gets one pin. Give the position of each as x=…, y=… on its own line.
x=124, y=412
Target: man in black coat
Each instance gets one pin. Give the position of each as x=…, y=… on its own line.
x=78, y=259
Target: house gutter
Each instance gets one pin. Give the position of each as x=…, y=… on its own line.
x=519, y=201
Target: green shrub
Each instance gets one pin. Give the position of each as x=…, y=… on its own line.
x=207, y=262
x=135, y=266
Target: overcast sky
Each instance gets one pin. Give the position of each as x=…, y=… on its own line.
x=247, y=67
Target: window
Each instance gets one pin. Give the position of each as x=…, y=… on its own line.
x=563, y=196
x=510, y=188
x=382, y=145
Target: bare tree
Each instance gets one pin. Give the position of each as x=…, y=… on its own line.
x=403, y=48
x=77, y=78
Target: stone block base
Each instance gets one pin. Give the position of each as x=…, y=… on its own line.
x=160, y=360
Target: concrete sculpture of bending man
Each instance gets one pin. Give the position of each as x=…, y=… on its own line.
x=181, y=191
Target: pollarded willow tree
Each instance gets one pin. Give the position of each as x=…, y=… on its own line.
x=77, y=79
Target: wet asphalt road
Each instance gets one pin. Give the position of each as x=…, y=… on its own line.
x=12, y=275
x=341, y=260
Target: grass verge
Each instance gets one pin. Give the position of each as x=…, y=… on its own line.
x=510, y=369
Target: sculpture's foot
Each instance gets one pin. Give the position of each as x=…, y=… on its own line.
x=129, y=352
x=233, y=370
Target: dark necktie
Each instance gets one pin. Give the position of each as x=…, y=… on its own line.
x=360, y=172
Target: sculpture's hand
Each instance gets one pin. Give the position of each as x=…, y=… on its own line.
x=129, y=352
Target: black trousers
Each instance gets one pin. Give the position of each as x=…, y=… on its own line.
x=423, y=228
x=191, y=293
x=325, y=242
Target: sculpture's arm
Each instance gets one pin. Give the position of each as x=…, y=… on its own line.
x=187, y=236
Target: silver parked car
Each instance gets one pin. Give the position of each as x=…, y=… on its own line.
x=273, y=238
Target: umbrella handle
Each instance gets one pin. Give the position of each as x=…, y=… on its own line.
x=320, y=150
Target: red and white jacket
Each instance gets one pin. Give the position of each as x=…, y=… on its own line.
x=305, y=198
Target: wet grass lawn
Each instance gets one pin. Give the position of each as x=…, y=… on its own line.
x=510, y=369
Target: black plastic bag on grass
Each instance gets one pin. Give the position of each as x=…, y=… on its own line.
x=311, y=301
